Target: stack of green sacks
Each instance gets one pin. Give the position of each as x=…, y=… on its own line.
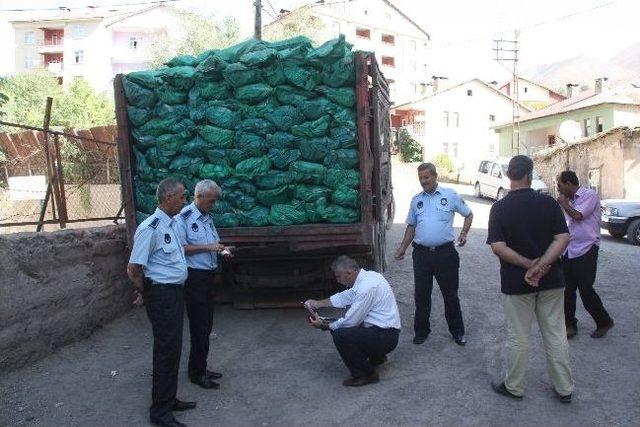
x=273, y=123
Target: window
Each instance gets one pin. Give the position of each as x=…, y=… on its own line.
x=363, y=33
x=29, y=38
x=446, y=119
x=551, y=139
x=29, y=62
x=389, y=61
x=496, y=171
x=389, y=39
x=594, y=179
x=492, y=117
x=423, y=88
x=586, y=127
x=445, y=148
x=79, y=31
x=78, y=57
x=485, y=167
x=455, y=150
x=133, y=43
x=456, y=120
x=56, y=40
x=599, y=125
x=469, y=92
x=526, y=89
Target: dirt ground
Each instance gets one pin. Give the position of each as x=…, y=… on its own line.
x=278, y=371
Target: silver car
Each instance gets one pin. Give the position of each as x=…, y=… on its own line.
x=621, y=218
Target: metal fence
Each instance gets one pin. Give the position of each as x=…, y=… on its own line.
x=58, y=178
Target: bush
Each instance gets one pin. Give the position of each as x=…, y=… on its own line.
x=410, y=149
x=443, y=163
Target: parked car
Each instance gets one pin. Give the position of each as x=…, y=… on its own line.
x=492, y=181
x=620, y=218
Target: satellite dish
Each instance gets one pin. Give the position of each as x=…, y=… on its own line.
x=570, y=130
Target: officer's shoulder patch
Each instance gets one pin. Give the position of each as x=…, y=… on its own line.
x=186, y=214
x=154, y=224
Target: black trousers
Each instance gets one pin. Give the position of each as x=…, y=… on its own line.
x=165, y=309
x=359, y=346
x=580, y=274
x=198, y=297
x=443, y=264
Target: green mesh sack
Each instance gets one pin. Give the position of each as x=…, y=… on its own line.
x=313, y=216
x=303, y=77
x=347, y=197
x=239, y=200
x=344, y=117
x=165, y=111
x=341, y=73
x=171, y=139
x=258, y=216
x=239, y=184
x=195, y=148
x=287, y=214
x=253, y=166
x=282, y=140
x=250, y=144
x=343, y=159
x=139, y=116
x=289, y=95
x=306, y=172
x=284, y=117
x=211, y=65
x=346, y=137
x=216, y=137
x=260, y=127
x=334, y=178
x=222, y=117
x=344, y=96
x=298, y=41
x=158, y=157
x=214, y=171
x=142, y=142
x=273, y=179
x=281, y=158
x=260, y=109
x=225, y=220
x=312, y=129
x=169, y=95
x=258, y=58
x=180, y=78
x=338, y=214
x=185, y=165
x=141, y=216
x=330, y=51
x=240, y=75
x=275, y=196
x=143, y=170
x=146, y=203
x=137, y=95
x=316, y=149
x=222, y=206
x=235, y=156
x=212, y=90
x=313, y=109
x=253, y=93
x=294, y=55
x=274, y=74
x=217, y=156
x=146, y=79
x=310, y=193
x=233, y=53
x=182, y=60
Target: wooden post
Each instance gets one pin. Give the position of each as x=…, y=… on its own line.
x=47, y=119
x=62, y=201
x=258, y=20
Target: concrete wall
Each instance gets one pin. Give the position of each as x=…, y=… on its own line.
x=57, y=288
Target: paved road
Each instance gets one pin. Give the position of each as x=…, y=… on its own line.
x=279, y=372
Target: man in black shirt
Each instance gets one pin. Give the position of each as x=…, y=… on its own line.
x=528, y=232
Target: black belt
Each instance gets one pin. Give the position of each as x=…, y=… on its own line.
x=447, y=245
x=202, y=270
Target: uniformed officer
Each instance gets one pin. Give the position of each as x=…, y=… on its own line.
x=158, y=269
x=201, y=242
x=430, y=231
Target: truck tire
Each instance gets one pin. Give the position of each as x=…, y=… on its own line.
x=633, y=232
x=616, y=234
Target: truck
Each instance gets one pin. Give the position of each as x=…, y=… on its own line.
x=276, y=266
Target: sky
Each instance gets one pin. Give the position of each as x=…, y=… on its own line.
x=462, y=30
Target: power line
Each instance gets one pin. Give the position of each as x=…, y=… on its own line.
x=272, y=8
x=90, y=6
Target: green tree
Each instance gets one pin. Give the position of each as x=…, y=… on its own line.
x=410, y=149
x=443, y=163
x=196, y=34
x=82, y=107
x=27, y=96
x=296, y=23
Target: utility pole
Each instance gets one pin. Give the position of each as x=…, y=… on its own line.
x=507, y=51
x=258, y=20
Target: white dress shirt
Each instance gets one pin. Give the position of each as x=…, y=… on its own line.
x=371, y=302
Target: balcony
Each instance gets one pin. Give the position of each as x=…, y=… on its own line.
x=50, y=46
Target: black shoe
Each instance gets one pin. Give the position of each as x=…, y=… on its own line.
x=204, y=381
x=502, y=389
x=167, y=421
x=214, y=375
x=360, y=381
x=377, y=361
x=419, y=340
x=602, y=331
x=460, y=339
x=572, y=331
x=561, y=398
x=179, y=405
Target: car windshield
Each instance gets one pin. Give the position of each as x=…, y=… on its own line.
x=505, y=167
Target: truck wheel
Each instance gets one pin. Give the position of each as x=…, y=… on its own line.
x=476, y=189
x=633, y=232
x=617, y=234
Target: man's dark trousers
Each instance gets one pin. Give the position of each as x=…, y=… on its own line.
x=165, y=309
x=443, y=263
x=198, y=297
x=580, y=274
x=359, y=346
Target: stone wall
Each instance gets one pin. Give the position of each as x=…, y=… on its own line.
x=57, y=288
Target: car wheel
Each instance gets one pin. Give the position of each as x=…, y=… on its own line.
x=616, y=234
x=633, y=232
x=477, y=191
x=501, y=194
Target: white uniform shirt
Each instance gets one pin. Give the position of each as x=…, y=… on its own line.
x=372, y=303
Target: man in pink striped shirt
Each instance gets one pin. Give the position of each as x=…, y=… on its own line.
x=582, y=209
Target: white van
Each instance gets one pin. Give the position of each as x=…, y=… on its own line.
x=492, y=181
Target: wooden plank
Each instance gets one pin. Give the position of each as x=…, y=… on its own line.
x=8, y=146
